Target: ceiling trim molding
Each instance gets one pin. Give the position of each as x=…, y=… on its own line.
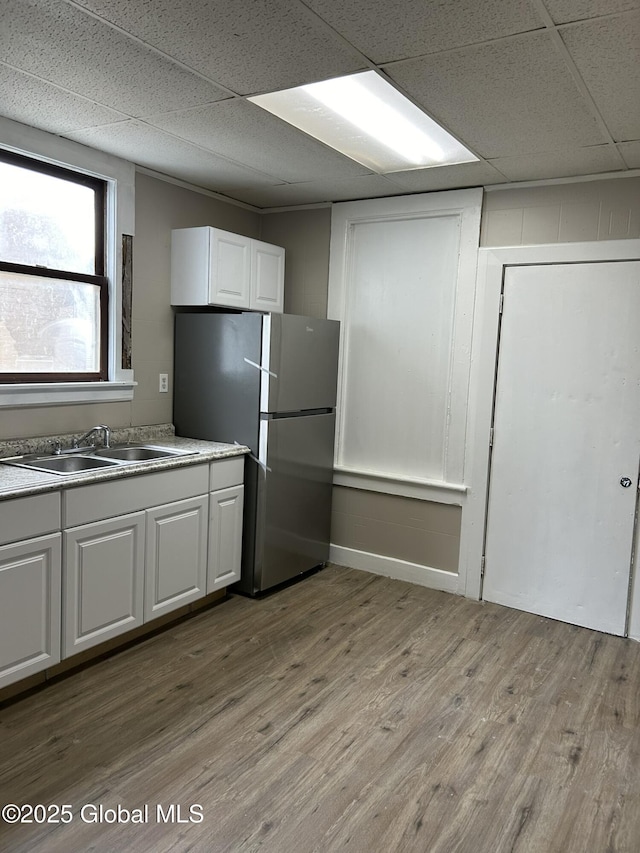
x=160, y=176
x=316, y=205
x=488, y=188
x=168, y=179
x=573, y=179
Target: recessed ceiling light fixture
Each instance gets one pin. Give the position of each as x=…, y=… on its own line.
x=364, y=117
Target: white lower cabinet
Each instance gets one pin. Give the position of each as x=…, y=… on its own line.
x=225, y=537
x=131, y=550
x=29, y=607
x=176, y=555
x=103, y=581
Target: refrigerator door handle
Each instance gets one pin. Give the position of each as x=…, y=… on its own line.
x=265, y=363
x=260, y=367
x=263, y=445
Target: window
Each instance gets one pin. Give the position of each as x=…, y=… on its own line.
x=402, y=283
x=54, y=294
x=45, y=153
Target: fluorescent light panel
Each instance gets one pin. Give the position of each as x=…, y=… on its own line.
x=365, y=118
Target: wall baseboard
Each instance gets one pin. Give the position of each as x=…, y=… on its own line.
x=394, y=568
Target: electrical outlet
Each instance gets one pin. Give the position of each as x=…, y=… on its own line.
x=164, y=383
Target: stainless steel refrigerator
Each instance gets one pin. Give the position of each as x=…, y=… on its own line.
x=267, y=381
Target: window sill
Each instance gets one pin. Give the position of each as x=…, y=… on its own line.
x=63, y=393
x=439, y=491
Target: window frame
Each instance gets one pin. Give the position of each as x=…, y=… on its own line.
x=371, y=475
x=119, y=178
x=98, y=278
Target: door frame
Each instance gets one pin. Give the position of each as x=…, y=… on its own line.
x=492, y=263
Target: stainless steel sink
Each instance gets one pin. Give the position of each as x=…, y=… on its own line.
x=70, y=462
x=137, y=453
x=64, y=464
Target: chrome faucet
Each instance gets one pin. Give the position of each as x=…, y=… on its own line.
x=106, y=435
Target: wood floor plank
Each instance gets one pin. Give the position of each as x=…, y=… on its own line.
x=348, y=711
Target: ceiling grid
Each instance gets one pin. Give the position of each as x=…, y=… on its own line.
x=536, y=89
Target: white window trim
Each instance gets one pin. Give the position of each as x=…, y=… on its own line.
x=120, y=216
x=467, y=205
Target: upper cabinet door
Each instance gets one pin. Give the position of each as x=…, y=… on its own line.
x=230, y=269
x=267, y=277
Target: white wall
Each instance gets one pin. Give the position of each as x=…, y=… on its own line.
x=391, y=528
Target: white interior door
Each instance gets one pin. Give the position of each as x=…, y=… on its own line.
x=566, y=443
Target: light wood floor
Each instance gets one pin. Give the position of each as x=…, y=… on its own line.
x=345, y=712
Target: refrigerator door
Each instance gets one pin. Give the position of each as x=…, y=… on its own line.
x=299, y=363
x=293, y=511
x=217, y=377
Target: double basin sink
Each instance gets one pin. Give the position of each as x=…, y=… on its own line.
x=89, y=459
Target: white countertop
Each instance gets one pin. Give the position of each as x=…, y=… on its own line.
x=18, y=482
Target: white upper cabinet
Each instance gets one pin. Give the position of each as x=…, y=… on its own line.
x=267, y=277
x=228, y=273
x=210, y=266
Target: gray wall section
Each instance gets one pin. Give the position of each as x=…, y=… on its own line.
x=416, y=531
x=579, y=212
x=420, y=531
x=160, y=207
x=305, y=235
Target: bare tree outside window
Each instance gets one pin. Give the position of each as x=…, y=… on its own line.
x=53, y=293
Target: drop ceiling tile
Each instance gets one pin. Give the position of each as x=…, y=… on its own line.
x=314, y=192
x=563, y=11
x=146, y=146
x=247, y=47
x=248, y=134
x=607, y=55
x=447, y=177
x=631, y=153
x=71, y=49
x=507, y=97
x=27, y=99
x=389, y=31
x=560, y=164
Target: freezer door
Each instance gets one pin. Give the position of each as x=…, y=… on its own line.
x=217, y=376
x=294, y=497
x=300, y=363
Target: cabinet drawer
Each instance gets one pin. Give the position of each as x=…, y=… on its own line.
x=131, y=494
x=24, y=518
x=226, y=473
